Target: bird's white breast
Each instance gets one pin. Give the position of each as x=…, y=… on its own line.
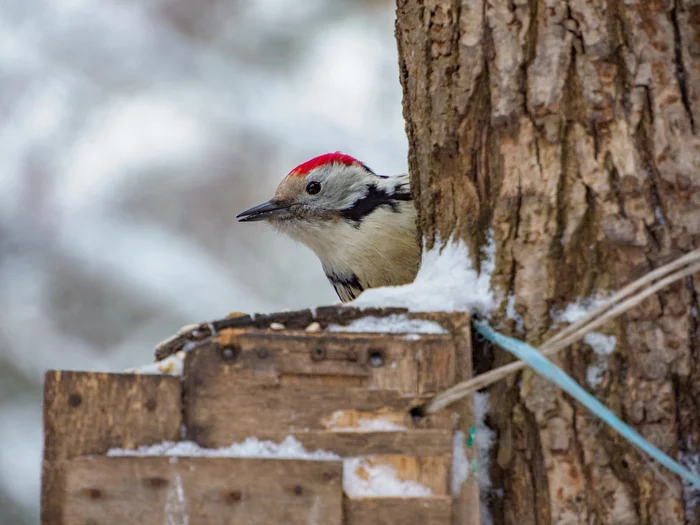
x=381, y=251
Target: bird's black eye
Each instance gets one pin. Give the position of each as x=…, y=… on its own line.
x=313, y=187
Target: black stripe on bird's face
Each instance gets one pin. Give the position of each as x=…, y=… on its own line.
x=373, y=199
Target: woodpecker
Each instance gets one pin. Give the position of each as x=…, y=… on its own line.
x=362, y=226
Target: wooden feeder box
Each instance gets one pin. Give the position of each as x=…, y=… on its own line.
x=346, y=393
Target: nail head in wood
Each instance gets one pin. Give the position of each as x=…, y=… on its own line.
x=233, y=496
x=230, y=353
x=75, y=400
x=375, y=358
x=318, y=353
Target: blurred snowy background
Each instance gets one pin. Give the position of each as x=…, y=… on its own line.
x=131, y=133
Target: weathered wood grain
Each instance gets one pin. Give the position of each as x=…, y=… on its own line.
x=418, y=364
x=408, y=442
x=202, y=491
x=89, y=413
x=225, y=403
x=297, y=320
x=467, y=507
x=223, y=409
x=395, y=511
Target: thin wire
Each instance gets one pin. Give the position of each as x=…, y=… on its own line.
x=576, y=331
x=543, y=366
x=685, y=260
x=550, y=349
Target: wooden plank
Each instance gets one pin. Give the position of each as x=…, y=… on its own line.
x=416, y=364
x=393, y=511
x=350, y=444
x=222, y=407
x=297, y=320
x=202, y=491
x=467, y=507
x=293, y=353
x=89, y=413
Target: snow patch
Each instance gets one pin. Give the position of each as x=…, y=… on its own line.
x=378, y=424
x=446, y=282
x=460, y=463
x=393, y=324
x=603, y=345
x=515, y=316
x=371, y=425
x=691, y=494
x=290, y=448
x=363, y=477
x=171, y=365
x=600, y=343
x=594, y=374
x=578, y=309
x=175, y=505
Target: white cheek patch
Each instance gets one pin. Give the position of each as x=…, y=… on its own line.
x=340, y=187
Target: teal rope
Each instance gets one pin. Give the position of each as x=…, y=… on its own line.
x=546, y=368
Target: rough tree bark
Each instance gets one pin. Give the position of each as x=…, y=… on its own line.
x=571, y=131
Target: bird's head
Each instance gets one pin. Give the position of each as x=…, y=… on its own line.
x=327, y=189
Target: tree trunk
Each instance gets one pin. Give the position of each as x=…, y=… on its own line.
x=569, y=131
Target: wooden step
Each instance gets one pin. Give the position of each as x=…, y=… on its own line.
x=202, y=491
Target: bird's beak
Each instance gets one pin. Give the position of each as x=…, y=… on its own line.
x=263, y=211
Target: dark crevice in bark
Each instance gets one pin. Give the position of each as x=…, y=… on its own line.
x=504, y=397
x=694, y=315
x=652, y=237
x=596, y=142
x=680, y=67
x=649, y=102
x=656, y=200
x=429, y=62
x=530, y=52
x=645, y=147
x=429, y=235
x=571, y=26
x=479, y=114
x=585, y=254
x=516, y=218
x=655, y=230
x=574, y=357
x=409, y=126
x=686, y=394
x=614, y=177
x=591, y=491
x=483, y=355
x=537, y=470
x=537, y=151
x=557, y=247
